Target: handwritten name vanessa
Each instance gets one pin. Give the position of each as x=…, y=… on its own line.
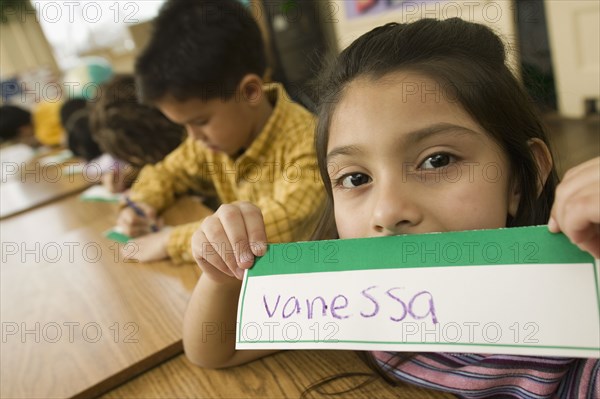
x=398, y=303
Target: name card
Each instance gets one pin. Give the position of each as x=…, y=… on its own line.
x=521, y=291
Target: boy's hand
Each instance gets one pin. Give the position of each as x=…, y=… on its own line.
x=149, y=248
x=227, y=241
x=112, y=183
x=576, y=210
x=135, y=225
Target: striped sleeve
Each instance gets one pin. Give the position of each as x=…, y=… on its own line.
x=582, y=380
x=482, y=376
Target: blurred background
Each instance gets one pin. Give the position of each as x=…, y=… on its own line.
x=54, y=50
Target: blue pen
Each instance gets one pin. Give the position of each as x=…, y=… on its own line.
x=138, y=211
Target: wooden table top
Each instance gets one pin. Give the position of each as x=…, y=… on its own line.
x=18, y=196
x=76, y=319
x=38, y=180
x=283, y=375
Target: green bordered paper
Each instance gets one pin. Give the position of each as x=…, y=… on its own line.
x=513, y=291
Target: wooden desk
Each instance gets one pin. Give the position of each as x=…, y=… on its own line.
x=81, y=323
x=283, y=375
x=37, y=181
x=18, y=196
x=15, y=154
x=77, y=320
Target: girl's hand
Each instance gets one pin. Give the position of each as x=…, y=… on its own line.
x=576, y=210
x=227, y=241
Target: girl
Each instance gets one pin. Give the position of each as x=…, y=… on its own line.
x=413, y=120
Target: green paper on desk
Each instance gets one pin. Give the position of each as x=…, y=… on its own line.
x=115, y=234
x=99, y=193
x=518, y=291
x=56, y=158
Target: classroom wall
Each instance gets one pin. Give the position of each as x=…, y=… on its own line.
x=574, y=33
x=23, y=47
x=573, y=29
x=497, y=14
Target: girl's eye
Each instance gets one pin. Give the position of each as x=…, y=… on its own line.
x=437, y=161
x=354, y=180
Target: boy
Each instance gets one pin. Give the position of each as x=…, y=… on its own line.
x=203, y=69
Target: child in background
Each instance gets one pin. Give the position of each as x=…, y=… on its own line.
x=133, y=134
x=203, y=68
x=16, y=126
x=411, y=116
x=40, y=127
x=46, y=123
x=74, y=116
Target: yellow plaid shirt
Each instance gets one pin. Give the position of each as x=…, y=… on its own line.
x=278, y=173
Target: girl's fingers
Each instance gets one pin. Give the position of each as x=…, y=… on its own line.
x=581, y=215
x=576, y=210
x=255, y=230
x=573, y=212
x=575, y=184
x=591, y=165
x=230, y=238
x=207, y=258
x=592, y=246
x=243, y=223
x=577, y=196
x=220, y=245
x=244, y=226
x=234, y=226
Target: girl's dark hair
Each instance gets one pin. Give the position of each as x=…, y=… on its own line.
x=130, y=131
x=467, y=58
x=468, y=61
x=200, y=49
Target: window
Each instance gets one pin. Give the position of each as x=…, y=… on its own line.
x=78, y=28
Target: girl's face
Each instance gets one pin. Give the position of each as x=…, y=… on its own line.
x=404, y=158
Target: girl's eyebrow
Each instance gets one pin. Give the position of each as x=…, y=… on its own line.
x=410, y=138
x=347, y=150
x=417, y=136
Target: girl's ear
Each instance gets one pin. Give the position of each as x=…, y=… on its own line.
x=251, y=89
x=543, y=162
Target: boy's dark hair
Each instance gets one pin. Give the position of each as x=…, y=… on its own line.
x=79, y=138
x=70, y=108
x=12, y=118
x=74, y=116
x=128, y=130
x=199, y=49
